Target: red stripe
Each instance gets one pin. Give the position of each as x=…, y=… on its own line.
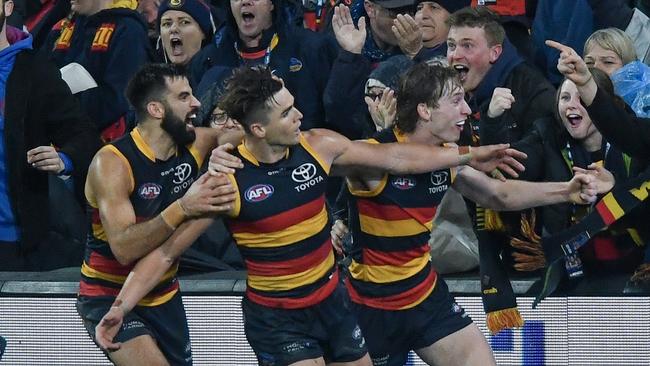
x=393, y=212
x=91, y=289
x=45, y=10
x=253, y=55
x=378, y=258
x=296, y=265
x=280, y=221
x=604, y=213
x=297, y=303
x=397, y=301
x=108, y=265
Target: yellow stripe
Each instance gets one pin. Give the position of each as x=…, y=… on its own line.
x=392, y=228
x=365, y=193
x=292, y=281
x=424, y=297
x=634, y=234
x=90, y=272
x=613, y=206
x=142, y=145
x=128, y=165
x=314, y=154
x=99, y=233
x=155, y=301
x=237, y=209
x=196, y=154
x=290, y=235
x=388, y=273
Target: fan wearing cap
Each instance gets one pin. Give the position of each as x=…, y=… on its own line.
x=109, y=39
x=185, y=27
x=260, y=32
x=431, y=17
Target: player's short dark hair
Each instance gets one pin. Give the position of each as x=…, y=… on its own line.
x=248, y=94
x=150, y=84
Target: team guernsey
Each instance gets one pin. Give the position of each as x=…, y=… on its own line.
x=282, y=227
x=155, y=185
x=391, y=226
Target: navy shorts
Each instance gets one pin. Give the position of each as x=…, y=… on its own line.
x=166, y=323
x=391, y=334
x=284, y=336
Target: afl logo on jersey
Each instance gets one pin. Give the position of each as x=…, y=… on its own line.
x=258, y=192
x=403, y=183
x=149, y=191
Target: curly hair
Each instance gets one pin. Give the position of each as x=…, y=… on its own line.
x=248, y=93
x=150, y=84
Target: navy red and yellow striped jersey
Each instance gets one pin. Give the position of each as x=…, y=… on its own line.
x=282, y=228
x=155, y=184
x=391, y=226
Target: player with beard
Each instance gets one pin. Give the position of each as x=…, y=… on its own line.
x=141, y=189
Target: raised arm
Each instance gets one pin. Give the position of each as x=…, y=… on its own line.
x=355, y=157
x=110, y=184
x=517, y=194
x=144, y=277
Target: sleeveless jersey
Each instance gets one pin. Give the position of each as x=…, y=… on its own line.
x=282, y=228
x=156, y=184
x=391, y=227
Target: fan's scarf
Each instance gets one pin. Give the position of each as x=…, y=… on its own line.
x=561, y=248
x=499, y=301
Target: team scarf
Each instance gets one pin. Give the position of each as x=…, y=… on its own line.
x=499, y=301
x=561, y=249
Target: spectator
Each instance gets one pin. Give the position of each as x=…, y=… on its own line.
x=431, y=17
x=609, y=50
x=149, y=10
x=42, y=15
x=185, y=27
x=111, y=44
x=260, y=32
x=43, y=133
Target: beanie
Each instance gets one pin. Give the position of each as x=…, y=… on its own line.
x=197, y=9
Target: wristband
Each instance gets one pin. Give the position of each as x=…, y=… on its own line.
x=464, y=155
x=174, y=215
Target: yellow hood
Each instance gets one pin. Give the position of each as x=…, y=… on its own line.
x=129, y=4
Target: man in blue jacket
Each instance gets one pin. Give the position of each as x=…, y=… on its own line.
x=43, y=132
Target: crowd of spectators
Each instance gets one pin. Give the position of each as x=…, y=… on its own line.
x=343, y=76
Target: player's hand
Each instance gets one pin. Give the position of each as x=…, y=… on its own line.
x=582, y=189
x=408, y=34
x=107, y=329
x=221, y=161
x=383, y=109
x=338, y=232
x=349, y=37
x=494, y=159
x=603, y=178
x=501, y=101
x=45, y=158
x=209, y=195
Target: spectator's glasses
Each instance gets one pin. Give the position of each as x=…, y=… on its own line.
x=375, y=94
x=221, y=119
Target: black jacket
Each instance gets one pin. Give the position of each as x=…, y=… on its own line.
x=39, y=111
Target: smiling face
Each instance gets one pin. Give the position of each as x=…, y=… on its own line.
x=469, y=53
x=252, y=18
x=573, y=114
x=431, y=18
x=181, y=36
x=446, y=122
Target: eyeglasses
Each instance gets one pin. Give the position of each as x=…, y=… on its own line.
x=374, y=96
x=220, y=119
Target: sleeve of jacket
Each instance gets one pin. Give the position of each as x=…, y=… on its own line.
x=128, y=51
x=344, y=94
x=639, y=30
x=534, y=100
x=66, y=126
x=532, y=144
x=629, y=133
